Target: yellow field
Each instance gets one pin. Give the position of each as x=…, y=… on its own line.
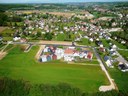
x=65, y=14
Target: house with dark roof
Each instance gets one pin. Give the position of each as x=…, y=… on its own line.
x=123, y=67
x=107, y=60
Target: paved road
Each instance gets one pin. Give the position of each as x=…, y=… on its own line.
x=63, y=43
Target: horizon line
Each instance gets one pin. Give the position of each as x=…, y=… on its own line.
x=61, y=2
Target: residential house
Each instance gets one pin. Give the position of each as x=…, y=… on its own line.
x=54, y=57
x=108, y=61
x=68, y=54
x=43, y=58
x=89, y=55
x=49, y=58
x=123, y=66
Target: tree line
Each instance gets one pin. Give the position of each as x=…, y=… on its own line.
x=3, y=19
x=10, y=87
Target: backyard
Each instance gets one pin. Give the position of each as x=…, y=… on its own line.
x=24, y=66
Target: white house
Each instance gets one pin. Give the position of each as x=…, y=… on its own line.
x=91, y=39
x=123, y=42
x=68, y=54
x=101, y=45
x=43, y=58
x=109, y=64
x=45, y=49
x=16, y=38
x=114, y=46
x=76, y=54
x=59, y=52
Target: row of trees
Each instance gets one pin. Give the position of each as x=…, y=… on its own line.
x=3, y=19
x=9, y=87
x=6, y=21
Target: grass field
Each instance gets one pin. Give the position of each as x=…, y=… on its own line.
x=86, y=42
x=20, y=65
x=105, y=43
x=124, y=54
x=7, y=34
x=120, y=78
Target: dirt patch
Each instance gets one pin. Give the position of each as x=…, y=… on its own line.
x=39, y=52
x=2, y=29
x=56, y=42
x=2, y=55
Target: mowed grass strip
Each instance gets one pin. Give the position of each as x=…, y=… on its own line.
x=20, y=65
x=120, y=78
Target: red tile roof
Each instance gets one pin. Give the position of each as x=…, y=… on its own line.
x=69, y=51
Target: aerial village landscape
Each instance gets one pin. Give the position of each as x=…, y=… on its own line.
x=64, y=49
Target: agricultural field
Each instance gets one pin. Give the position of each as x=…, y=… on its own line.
x=24, y=66
x=65, y=14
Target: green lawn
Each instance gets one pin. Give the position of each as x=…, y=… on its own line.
x=105, y=43
x=86, y=42
x=7, y=34
x=119, y=44
x=120, y=78
x=88, y=61
x=20, y=65
x=7, y=38
x=124, y=54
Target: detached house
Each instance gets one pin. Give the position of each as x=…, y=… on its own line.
x=108, y=61
x=68, y=54
x=123, y=67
